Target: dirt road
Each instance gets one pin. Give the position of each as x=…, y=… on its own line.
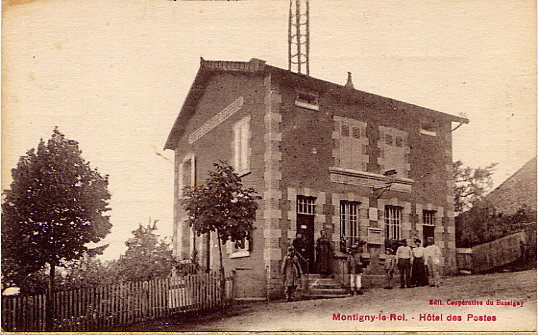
x=513, y=308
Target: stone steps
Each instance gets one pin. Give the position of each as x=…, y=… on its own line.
x=329, y=291
x=327, y=286
x=323, y=288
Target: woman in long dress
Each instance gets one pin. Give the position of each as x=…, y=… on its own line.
x=419, y=275
x=323, y=254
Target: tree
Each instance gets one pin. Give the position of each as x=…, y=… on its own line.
x=482, y=223
x=147, y=257
x=471, y=184
x=54, y=207
x=88, y=271
x=222, y=205
x=35, y=282
x=472, y=226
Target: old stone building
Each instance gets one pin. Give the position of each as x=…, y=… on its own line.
x=318, y=153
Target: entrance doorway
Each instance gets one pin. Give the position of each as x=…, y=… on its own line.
x=305, y=226
x=427, y=232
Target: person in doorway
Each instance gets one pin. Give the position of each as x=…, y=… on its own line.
x=390, y=265
x=419, y=276
x=323, y=254
x=291, y=273
x=432, y=256
x=355, y=264
x=403, y=257
x=299, y=244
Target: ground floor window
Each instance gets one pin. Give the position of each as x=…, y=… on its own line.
x=393, y=220
x=349, y=221
x=239, y=248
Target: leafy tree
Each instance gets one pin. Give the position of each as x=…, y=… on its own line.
x=88, y=271
x=482, y=223
x=472, y=226
x=36, y=282
x=471, y=184
x=224, y=206
x=54, y=207
x=147, y=257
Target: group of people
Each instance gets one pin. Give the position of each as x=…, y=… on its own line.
x=418, y=265
x=293, y=267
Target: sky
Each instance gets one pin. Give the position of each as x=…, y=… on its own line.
x=113, y=75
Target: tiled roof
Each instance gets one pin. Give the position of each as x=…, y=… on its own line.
x=207, y=68
x=519, y=189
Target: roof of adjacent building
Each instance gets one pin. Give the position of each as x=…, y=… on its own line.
x=254, y=66
x=516, y=191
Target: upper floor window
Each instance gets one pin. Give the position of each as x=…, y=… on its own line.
x=241, y=146
x=186, y=174
x=428, y=217
x=352, y=142
x=308, y=100
x=349, y=221
x=394, y=153
x=393, y=221
x=427, y=128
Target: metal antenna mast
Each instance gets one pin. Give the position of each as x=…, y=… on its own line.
x=299, y=37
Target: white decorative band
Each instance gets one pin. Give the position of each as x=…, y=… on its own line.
x=216, y=120
x=369, y=175
x=353, y=177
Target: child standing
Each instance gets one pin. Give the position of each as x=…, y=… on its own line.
x=390, y=264
x=355, y=263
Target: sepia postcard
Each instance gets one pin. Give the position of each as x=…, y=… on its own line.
x=269, y=166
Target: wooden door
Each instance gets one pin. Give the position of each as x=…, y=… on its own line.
x=427, y=231
x=305, y=226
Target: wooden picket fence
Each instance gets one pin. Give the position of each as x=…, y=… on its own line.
x=105, y=307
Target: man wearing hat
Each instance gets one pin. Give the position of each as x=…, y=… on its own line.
x=355, y=263
x=404, y=256
x=291, y=273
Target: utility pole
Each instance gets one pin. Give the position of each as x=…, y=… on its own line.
x=299, y=36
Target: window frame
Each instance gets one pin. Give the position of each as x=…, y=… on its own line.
x=431, y=215
x=395, y=150
x=351, y=151
x=306, y=205
x=350, y=220
x=241, y=146
x=393, y=223
x=234, y=252
x=306, y=99
x=427, y=128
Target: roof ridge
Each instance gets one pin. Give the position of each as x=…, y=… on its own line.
x=254, y=65
x=515, y=174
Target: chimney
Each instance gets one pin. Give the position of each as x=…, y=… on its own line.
x=257, y=62
x=349, y=83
